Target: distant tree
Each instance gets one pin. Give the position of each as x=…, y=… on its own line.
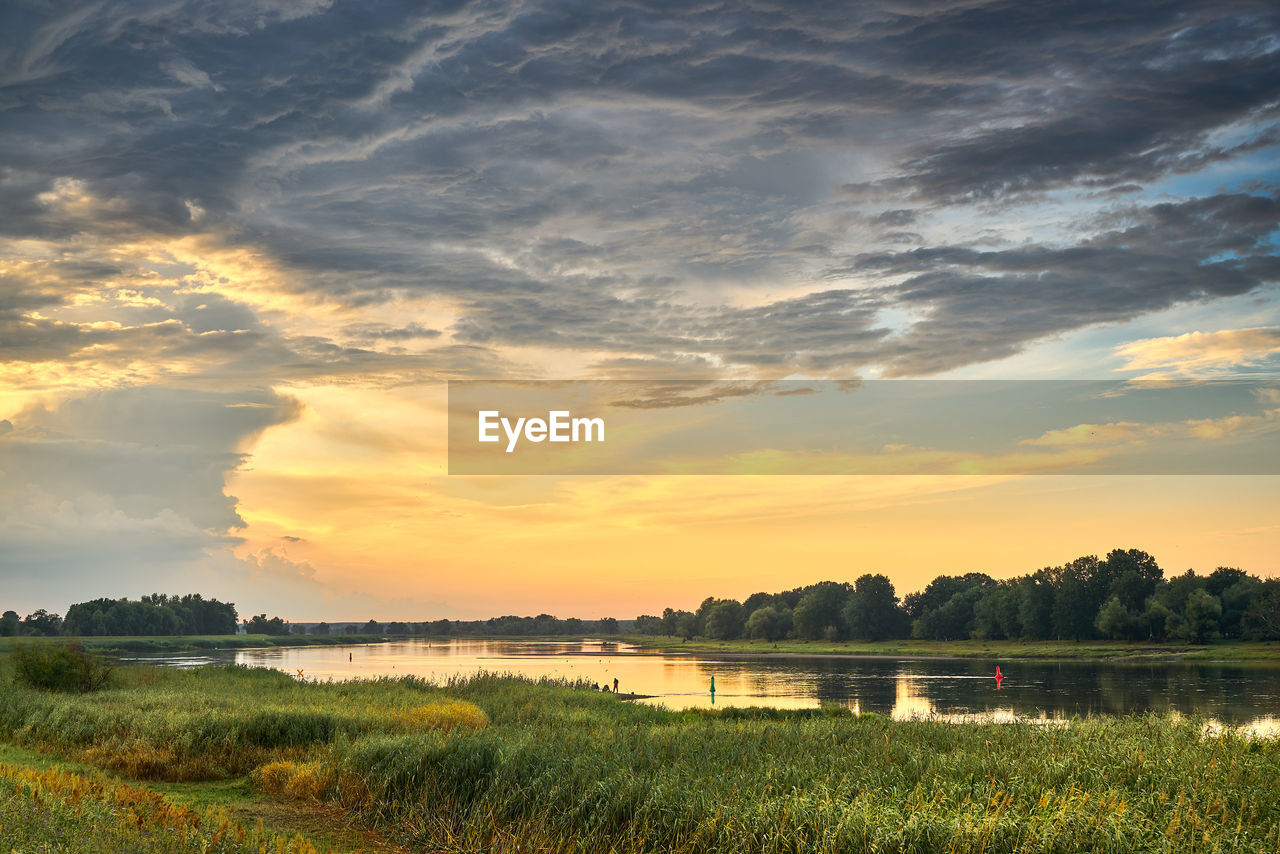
x=9, y=624
x=373, y=627
x=1179, y=588
x=995, y=614
x=573, y=626
x=1236, y=600
x=42, y=622
x=755, y=602
x=954, y=620
x=700, y=615
x=1073, y=610
x=397, y=628
x=1035, y=608
x=769, y=623
x=871, y=610
x=1261, y=620
x=1156, y=619
x=1200, y=619
x=1222, y=578
x=679, y=623
x=260, y=625
x=647, y=624
x=608, y=626
x=725, y=620
x=1118, y=622
x=669, y=617
x=320, y=629
x=1129, y=574
x=820, y=612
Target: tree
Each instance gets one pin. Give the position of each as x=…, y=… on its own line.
x=995, y=614
x=320, y=629
x=260, y=625
x=820, y=611
x=769, y=623
x=42, y=622
x=725, y=620
x=646, y=624
x=1201, y=616
x=954, y=620
x=1261, y=620
x=1130, y=574
x=872, y=611
x=1035, y=608
x=1073, y=613
x=1236, y=600
x=9, y=624
x=608, y=626
x=1116, y=621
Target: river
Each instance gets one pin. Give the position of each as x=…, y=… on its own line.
x=946, y=688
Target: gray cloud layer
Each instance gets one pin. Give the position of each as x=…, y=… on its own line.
x=596, y=175
x=662, y=189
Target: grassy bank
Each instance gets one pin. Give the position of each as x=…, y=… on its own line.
x=1259, y=652
x=191, y=643
x=44, y=807
x=509, y=765
x=1241, y=651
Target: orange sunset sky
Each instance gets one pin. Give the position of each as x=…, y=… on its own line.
x=241, y=255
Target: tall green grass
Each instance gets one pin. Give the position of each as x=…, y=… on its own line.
x=548, y=767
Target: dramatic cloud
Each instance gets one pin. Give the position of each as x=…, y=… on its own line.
x=628, y=180
x=126, y=480
x=243, y=200
x=1202, y=353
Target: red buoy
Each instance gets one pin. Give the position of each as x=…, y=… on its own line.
x=999, y=677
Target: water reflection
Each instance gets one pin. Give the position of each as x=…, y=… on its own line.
x=951, y=689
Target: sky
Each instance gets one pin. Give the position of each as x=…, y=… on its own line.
x=246, y=244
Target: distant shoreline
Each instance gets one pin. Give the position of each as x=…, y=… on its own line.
x=1227, y=652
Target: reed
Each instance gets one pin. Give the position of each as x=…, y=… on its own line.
x=504, y=764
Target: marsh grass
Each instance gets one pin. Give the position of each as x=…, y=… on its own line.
x=504, y=764
x=79, y=814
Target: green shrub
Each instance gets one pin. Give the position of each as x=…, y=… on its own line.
x=64, y=667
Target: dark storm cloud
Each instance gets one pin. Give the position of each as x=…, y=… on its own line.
x=151, y=455
x=591, y=175
x=1165, y=254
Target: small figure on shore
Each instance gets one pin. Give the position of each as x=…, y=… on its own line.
x=605, y=687
x=348, y=656
x=615, y=685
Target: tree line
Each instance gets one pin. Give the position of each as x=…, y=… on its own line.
x=158, y=615
x=150, y=616
x=1123, y=596
x=508, y=626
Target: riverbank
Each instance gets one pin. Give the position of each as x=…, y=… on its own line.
x=505, y=765
x=1255, y=652
x=114, y=646
x=1252, y=652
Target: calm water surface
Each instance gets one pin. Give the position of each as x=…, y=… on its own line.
x=901, y=687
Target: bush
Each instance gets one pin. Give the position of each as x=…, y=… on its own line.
x=64, y=667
